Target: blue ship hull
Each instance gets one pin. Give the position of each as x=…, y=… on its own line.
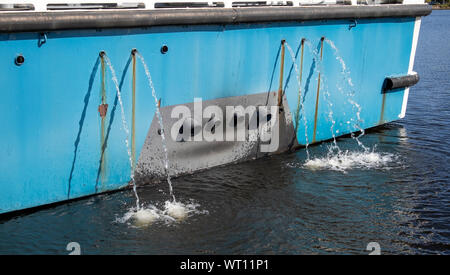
x=50, y=142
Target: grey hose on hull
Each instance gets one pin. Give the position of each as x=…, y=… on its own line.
x=49, y=21
x=392, y=83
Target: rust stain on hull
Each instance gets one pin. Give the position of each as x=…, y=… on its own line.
x=382, y=109
x=133, y=114
x=280, y=87
x=317, y=94
x=102, y=109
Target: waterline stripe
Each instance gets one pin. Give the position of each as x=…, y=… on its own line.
x=411, y=63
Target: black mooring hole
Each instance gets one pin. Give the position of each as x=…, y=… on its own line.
x=19, y=60
x=164, y=49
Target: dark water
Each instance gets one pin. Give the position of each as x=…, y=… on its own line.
x=276, y=206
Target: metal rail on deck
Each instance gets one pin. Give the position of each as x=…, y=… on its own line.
x=66, y=5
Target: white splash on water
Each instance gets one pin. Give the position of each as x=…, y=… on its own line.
x=170, y=212
x=145, y=216
x=176, y=210
x=346, y=160
x=337, y=159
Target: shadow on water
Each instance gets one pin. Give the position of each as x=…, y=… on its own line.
x=81, y=122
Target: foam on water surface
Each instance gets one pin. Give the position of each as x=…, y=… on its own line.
x=145, y=216
x=170, y=212
x=346, y=160
x=176, y=210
